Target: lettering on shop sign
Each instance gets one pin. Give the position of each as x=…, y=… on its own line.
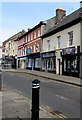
x=67, y=51
x=48, y=55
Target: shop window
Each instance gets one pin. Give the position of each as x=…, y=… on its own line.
x=65, y=65
x=51, y=65
x=54, y=64
x=70, y=38
x=48, y=63
x=37, y=63
x=43, y=63
x=74, y=66
x=68, y=64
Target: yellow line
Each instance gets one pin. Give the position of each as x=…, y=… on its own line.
x=59, y=115
x=63, y=116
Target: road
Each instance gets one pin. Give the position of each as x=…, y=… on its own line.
x=61, y=97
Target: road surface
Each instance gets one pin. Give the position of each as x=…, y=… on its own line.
x=61, y=97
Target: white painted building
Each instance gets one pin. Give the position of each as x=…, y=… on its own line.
x=64, y=40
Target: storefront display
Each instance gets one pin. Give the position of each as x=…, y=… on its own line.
x=71, y=61
x=48, y=61
x=33, y=61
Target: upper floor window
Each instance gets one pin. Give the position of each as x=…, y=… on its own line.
x=59, y=37
x=34, y=34
x=39, y=32
x=29, y=37
x=48, y=43
x=26, y=38
x=9, y=45
x=70, y=38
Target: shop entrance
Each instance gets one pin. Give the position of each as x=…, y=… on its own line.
x=70, y=66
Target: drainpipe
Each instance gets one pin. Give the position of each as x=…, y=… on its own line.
x=81, y=43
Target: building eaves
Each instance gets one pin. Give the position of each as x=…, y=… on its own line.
x=66, y=22
x=35, y=27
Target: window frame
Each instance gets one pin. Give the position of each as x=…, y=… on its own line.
x=70, y=38
x=59, y=41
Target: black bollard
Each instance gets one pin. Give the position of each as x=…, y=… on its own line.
x=35, y=99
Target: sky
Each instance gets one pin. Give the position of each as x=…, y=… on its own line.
x=16, y=16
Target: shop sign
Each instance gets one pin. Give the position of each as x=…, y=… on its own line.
x=70, y=51
x=48, y=55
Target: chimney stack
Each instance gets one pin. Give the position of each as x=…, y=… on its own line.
x=60, y=13
x=29, y=29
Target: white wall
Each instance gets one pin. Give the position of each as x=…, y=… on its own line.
x=64, y=42
x=64, y=38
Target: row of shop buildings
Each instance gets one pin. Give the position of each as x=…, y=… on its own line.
x=52, y=46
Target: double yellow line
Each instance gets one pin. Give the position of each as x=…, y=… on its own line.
x=54, y=113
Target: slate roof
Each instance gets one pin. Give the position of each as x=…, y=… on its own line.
x=32, y=29
x=71, y=19
x=16, y=36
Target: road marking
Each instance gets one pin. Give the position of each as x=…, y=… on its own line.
x=63, y=116
x=62, y=97
x=10, y=74
x=55, y=112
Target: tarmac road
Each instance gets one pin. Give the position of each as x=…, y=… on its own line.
x=61, y=97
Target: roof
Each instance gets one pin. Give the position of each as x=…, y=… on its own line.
x=38, y=25
x=66, y=22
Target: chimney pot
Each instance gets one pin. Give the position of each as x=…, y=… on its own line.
x=60, y=13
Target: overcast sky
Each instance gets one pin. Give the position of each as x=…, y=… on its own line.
x=15, y=16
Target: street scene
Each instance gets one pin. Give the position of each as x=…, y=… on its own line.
x=41, y=61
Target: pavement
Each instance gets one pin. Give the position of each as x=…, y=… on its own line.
x=16, y=106
x=59, y=78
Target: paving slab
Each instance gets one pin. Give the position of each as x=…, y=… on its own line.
x=15, y=105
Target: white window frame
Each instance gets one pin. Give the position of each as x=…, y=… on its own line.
x=34, y=34
x=31, y=36
x=28, y=37
x=70, y=38
x=39, y=32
